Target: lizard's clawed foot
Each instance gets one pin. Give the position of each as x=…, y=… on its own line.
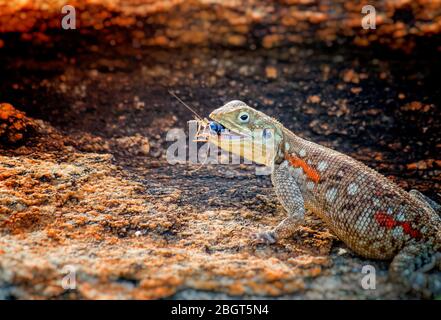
x=268, y=237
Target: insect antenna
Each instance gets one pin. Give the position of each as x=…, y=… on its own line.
x=202, y=124
x=186, y=105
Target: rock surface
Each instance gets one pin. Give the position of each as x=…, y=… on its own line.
x=124, y=238
x=14, y=126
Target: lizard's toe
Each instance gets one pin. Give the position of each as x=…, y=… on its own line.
x=267, y=237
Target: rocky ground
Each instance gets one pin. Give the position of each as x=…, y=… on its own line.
x=85, y=184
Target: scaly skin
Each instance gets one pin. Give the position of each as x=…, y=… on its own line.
x=371, y=214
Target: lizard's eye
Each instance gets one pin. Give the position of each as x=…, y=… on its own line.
x=244, y=117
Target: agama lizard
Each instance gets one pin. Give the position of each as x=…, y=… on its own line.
x=370, y=213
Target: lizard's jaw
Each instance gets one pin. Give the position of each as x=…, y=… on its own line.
x=226, y=138
x=247, y=145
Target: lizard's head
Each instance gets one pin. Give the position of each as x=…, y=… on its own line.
x=244, y=131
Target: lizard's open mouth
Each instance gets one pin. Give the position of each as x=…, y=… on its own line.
x=216, y=130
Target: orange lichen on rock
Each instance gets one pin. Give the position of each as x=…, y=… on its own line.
x=271, y=72
x=417, y=106
x=14, y=125
x=424, y=164
x=314, y=99
x=351, y=76
x=180, y=23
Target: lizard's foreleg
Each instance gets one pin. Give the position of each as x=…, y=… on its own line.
x=289, y=195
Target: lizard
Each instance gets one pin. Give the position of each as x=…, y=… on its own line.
x=370, y=213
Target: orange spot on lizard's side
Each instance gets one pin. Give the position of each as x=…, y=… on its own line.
x=385, y=220
x=389, y=222
x=307, y=169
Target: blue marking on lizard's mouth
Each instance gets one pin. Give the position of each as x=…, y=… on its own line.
x=216, y=127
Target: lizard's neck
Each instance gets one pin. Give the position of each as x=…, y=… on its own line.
x=291, y=143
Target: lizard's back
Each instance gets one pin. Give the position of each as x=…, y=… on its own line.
x=370, y=213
